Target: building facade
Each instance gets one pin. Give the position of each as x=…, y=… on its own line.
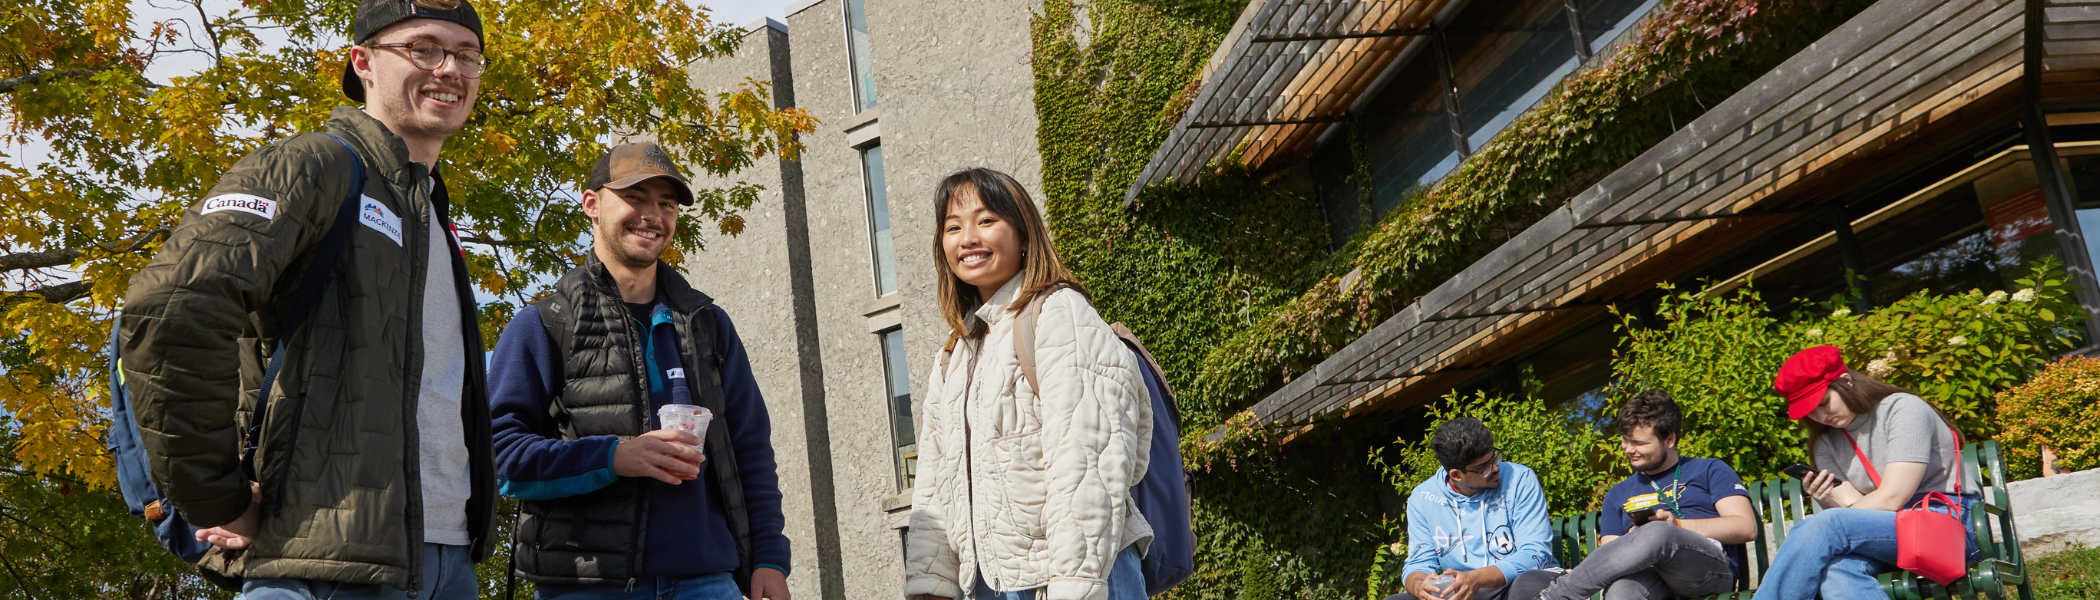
x=1924, y=145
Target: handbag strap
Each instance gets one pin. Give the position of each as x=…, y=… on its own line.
x=1871, y=473
x=1876, y=476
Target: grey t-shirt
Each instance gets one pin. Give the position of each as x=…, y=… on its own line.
x=1903, y=428
x=441, y=430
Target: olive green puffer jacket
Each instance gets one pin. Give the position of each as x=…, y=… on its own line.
x=338, y=457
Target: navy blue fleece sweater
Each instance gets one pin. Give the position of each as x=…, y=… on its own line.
x=692, y=538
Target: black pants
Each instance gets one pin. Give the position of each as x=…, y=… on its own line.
x=1527, y=586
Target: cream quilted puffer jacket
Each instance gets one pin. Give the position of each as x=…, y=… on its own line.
x=1022, y=488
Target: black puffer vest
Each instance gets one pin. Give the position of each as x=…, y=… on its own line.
x=597, y=538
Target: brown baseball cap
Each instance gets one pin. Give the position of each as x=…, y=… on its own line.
x=629, y=164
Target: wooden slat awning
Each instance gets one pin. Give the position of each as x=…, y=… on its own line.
x=1292, y=68
x=1900, y=78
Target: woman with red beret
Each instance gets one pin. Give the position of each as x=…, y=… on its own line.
x=1878, y=449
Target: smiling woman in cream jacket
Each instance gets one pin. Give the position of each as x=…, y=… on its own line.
x=1023, y=494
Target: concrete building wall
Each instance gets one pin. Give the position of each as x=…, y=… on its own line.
x=848, y=309
x=762, y=279
x=955, y=90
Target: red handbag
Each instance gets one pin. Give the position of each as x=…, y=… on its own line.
x=1928, y=542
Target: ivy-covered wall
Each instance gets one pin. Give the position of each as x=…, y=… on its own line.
x=1229, y=278
x=1193, y=265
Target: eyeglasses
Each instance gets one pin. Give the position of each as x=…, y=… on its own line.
x=429, y=56
x=1495, y=460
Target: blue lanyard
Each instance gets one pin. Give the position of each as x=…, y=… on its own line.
x=673, y=373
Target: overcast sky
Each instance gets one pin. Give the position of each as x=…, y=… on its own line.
x=743, y=12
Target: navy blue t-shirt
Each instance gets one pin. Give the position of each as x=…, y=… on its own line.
x=1695, y=483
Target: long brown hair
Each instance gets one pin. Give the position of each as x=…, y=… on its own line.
x=1041, y=269
x=1862, y=393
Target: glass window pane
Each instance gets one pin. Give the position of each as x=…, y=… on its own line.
x=1505, y=60
x=885, y=245
x=1407, y=135
x=1604, y=20
x=903, y=434
x=857, y=46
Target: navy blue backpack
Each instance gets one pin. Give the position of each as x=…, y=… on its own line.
x=1162, y=496
x=134, y=475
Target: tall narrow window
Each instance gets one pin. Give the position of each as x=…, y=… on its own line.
x=885, y=247
x=903, y=435
x=857, y=47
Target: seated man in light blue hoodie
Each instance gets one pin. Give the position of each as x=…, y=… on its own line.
x=1470, y=536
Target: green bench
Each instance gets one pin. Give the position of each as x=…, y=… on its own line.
x=1779, y=504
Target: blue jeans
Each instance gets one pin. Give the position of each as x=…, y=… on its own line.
x=714, y=586
x=448, y=574
x=1836, y=553
x=1126, y=581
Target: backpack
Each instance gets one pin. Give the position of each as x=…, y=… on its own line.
x=1162, y=496
x=134, y=473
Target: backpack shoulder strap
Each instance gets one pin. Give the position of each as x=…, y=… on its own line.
x=555, y=317
x=1151, y=362
x=706, y=335
x=948, y=349
x=317, y=274
x=1024, y=333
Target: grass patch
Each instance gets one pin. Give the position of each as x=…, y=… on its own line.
x=2069, y=575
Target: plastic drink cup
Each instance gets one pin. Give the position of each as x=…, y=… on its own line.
x=1440, y=582
x=687, y=418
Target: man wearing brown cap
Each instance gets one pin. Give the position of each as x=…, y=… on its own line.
x=370, y=474
x=617, y=504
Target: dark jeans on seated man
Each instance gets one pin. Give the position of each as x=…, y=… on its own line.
x=1526, y=587
x=1656, y=560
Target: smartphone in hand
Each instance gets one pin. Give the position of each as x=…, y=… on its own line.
x=1798, y=471
x=1644, y=515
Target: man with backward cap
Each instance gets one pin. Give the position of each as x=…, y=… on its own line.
x=619, y=501
x=372, y=475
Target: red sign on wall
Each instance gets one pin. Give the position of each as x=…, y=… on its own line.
x=2018, y=216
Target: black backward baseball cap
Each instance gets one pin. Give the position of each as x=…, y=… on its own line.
x=374, y=15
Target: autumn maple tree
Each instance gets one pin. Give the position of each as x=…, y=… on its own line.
x=117, y=116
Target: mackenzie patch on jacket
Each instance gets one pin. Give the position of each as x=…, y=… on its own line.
x=374, y=214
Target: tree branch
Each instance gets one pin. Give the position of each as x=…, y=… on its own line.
x=55, y=294
x=482, y=239
x=9, y=85
x=66, y=256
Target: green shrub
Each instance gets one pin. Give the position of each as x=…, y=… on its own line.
x=1716, y=356
x=1959, y=350
x=2059, y=408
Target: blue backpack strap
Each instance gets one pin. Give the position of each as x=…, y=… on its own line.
x=317, y=275
x=123, y=441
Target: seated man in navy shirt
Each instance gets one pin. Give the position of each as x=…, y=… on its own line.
x=616, y=505
x=1691, y=544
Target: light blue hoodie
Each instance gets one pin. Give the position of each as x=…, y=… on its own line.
x=1504, y=527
